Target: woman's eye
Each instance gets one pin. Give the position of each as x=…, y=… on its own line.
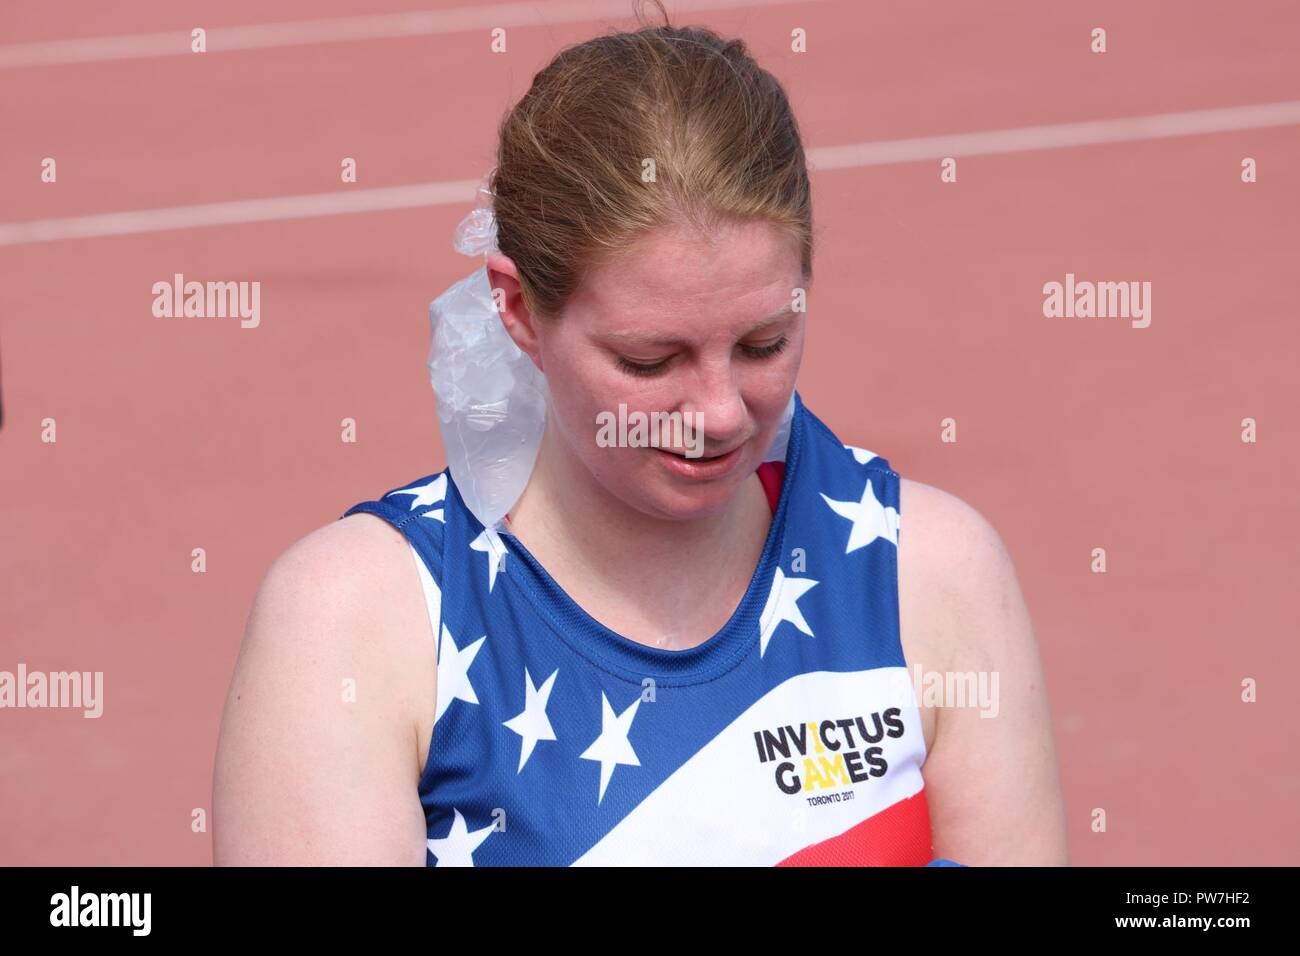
x=635, y=368
x=753, y=351
x=767, y=351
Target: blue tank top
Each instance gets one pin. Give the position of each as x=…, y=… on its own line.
x=790, y=737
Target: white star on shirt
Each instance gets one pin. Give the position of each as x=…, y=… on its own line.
x=861, y=454
x=458, y=846
x=612, y=747
x=429, y=494
x=453, y=672
x=532, y=724
x=871, y=519
x=490, y=542
x=782, y=605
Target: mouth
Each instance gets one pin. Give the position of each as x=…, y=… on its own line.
x=714, y=457
x=704, y=467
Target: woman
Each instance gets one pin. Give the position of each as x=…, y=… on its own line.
x=684, y=654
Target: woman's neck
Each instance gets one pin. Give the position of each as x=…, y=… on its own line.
x=634, y=572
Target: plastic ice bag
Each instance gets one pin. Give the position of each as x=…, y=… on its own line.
x=491, y=399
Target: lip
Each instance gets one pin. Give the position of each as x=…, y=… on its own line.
x=697, y=469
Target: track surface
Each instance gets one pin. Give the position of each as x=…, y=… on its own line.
x=1073, y=434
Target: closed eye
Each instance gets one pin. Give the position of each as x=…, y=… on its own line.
x=767, y=351
x=635, y=368
x=753, y=351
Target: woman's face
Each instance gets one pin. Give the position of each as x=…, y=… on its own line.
x=710, y=332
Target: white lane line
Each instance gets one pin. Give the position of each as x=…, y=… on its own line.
x=821, y=158
x=240, y=211
x=341, y=29
x=1029, y=138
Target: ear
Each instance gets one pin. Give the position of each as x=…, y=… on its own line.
x=503, y=279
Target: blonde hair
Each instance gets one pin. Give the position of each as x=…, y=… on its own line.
x=568, y=188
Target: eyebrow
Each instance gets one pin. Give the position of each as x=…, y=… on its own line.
x=650, y=338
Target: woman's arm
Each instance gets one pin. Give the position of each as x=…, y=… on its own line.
x=992, y=783
x=316, y=763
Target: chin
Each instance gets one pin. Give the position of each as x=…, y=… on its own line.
x=687, y=508
x=664, y=496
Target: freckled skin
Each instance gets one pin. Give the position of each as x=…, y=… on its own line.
x=709, y=295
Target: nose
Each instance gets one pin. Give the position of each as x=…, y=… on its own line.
x=715, y=404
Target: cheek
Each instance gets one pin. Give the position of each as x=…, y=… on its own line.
x=769, y=387
x=570, y=372
x=769, y=383
x=583, y=385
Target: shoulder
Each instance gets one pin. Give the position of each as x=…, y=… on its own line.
x=338, y=564
x=954, y=571
x=992, y=784
x=946, y=548
x=330, y=586
x=348, y=591
x=947, y=539
x=318, y=752
x=347, y=595
x=344, y=602
x=940, y=526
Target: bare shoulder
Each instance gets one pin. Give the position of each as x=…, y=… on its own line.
x=316, y=762
x=949, y=544
x=949, y=558
x=346, y=565
x=991, y=776
x=348, y=590
x=357, y=554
